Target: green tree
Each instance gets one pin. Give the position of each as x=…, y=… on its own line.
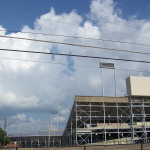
x=7, y=140
x=3, y=137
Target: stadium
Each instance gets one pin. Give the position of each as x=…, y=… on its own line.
x=101, y=120
x=111, y=120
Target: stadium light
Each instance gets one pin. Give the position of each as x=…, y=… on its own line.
x=107, y=66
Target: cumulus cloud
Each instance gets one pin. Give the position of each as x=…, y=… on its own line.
x=28, y=85
x=21, y=124
x=20, y=117
x=60, y=118
x=64, y=111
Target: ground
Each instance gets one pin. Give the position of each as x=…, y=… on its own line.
x=113, y=147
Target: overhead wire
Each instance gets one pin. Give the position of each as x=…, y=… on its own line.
x=73, y=55
x=86, y=27
x=132, y=70
x=106, y=20
x=86, y=45
x=69, y=36
x=68, y=64
x=79, y=45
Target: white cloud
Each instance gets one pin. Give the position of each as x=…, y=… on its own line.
x=103, y=9
x=64, y=111
x=32, y=87
x=33, y=121
x=12, y=100
x=21, y=124
x=21, y=117
x=59, y=119
x=2, y=30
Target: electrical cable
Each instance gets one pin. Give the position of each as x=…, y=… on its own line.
x=48, y=62
x=73, y=55
x=108, y=21
x=133, y=70
x=142, y=44
x=88, y=46
x=84, y=27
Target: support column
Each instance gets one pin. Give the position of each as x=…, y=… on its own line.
x=91, y=123
x=25, y=143
x=143, y=121
x=45, y=142
x=38, y=143
x=118, y=123
x=131, y=120
x=20, y=142
x=76, y=121
x=104, y=134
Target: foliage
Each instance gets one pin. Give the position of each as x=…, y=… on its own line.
x=7, y=140
x=2, y=140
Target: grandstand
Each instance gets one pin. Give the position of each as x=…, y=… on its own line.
x=111, y=120
x=99, y=120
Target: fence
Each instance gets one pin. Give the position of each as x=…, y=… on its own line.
x=140, y=146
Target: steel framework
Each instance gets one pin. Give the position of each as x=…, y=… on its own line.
x=108, y=120
x=37, y=140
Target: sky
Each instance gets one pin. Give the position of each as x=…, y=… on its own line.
x=33, y=85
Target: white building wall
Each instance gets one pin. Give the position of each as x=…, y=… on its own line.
x=138, y=86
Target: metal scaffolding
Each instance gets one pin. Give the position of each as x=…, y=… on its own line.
x=140, y=113
x=108, y=120
x=39, y=140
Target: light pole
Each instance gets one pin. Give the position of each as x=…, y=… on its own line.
x=54, y=113
x=49, y=137
x=102, y=80
x=107, y=66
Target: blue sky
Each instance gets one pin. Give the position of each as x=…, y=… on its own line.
x=19, y=13
x=134, y=7
x=15, y=14
x=33, y=85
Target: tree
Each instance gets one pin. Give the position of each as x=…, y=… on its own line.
x=7, y=140
x=3, y=137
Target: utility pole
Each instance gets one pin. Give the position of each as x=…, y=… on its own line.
x=5, y=129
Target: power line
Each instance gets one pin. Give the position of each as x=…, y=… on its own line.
x=48, y=62
x=127, y=23
x=108, y=21
x=142, y=44
x=83, y=56
x=84, y=27
x=88, y=46
x=47, y=19
x=105, y=20
x=133, y=70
